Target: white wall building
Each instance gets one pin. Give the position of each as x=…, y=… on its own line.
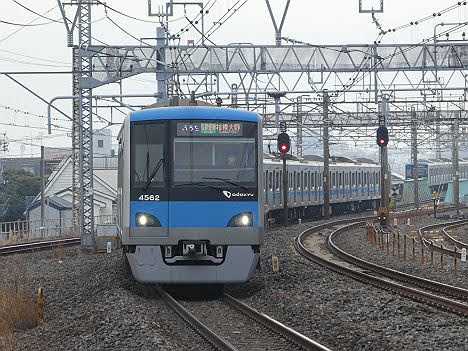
x=59, y=184
x=102, y=143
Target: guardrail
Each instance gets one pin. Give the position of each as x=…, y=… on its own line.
x=24, y=231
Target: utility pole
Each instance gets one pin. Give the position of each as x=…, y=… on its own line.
x=384, y=178
x=299, y=141
x=438, y=136
x=41, y=172
x=414, y=156
x=455, y=165
x=76, y=143
x=277, y=96
x=161, y=77
x=284, y=145
x=85, y=72
x=326, y=157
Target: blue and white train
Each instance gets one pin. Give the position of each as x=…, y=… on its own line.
x=354, y=186
x=438, y=173
x=189, y=194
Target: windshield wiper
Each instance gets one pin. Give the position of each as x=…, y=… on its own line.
x=228, y=181
x=153, y=174
x=201, y=184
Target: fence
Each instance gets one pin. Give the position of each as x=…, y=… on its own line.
x=410, y=246
x=23, y=231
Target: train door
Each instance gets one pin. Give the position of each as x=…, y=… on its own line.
x=348, y=191
x=358, y=182
x=366, y=176
x=294, y=186
x=320, y=185
x=340, y=183
x=302, y=185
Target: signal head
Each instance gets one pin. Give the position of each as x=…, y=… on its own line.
x=382, y=136
x=283, y=143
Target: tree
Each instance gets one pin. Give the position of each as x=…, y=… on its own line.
x=16, y=185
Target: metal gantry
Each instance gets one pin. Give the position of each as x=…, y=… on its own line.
x=255, y=76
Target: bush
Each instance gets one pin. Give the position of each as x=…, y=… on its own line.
x=18, y=311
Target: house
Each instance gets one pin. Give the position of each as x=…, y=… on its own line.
x=58, y=215
x=59, y=184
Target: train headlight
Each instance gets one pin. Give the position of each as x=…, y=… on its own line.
x=146, y=220
x=241, y=220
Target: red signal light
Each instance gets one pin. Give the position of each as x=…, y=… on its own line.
x=283, y=143
x=382, y=136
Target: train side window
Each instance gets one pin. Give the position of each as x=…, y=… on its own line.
x=299, y=180
x=306, y=180
x=277, y=181
x=270, y=183
x=340, y=179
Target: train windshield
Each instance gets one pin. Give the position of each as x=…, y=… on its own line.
x=222, y=159
x=147, y=154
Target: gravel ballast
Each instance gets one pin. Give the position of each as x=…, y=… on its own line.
x=92, y=304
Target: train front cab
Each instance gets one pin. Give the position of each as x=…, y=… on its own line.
x=203, y=218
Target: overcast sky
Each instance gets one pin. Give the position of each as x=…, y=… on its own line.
x=313, y=21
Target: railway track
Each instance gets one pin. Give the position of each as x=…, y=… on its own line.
x=229, y=324
x=420, y=289
x=445, y=228
x=37, y=246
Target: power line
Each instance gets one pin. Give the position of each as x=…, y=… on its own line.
x=33, y=57
x=11, y=34
x=126, y=32
x=25, y=24
x=7, y=59
x=36, y=13
x=26, y=113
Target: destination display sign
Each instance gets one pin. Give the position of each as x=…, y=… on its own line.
x=209, y=129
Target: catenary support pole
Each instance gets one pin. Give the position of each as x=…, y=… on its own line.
x=285, y=190
x=41, y=171
x=326, y=157
x=414, y=156
x=455, y=164
x=384, y=176
x=299, y=140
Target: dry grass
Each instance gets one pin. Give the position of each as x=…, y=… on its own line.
x=59, y=253
x=18, y=310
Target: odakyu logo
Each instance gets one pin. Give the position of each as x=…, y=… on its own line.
x=228, y=194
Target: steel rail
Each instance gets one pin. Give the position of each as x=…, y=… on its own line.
x=447, y=251
x=424, y=283
x=459, y=244
x=210, y=336
x=37, y=246
x=274, y=325
x=363, y=276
